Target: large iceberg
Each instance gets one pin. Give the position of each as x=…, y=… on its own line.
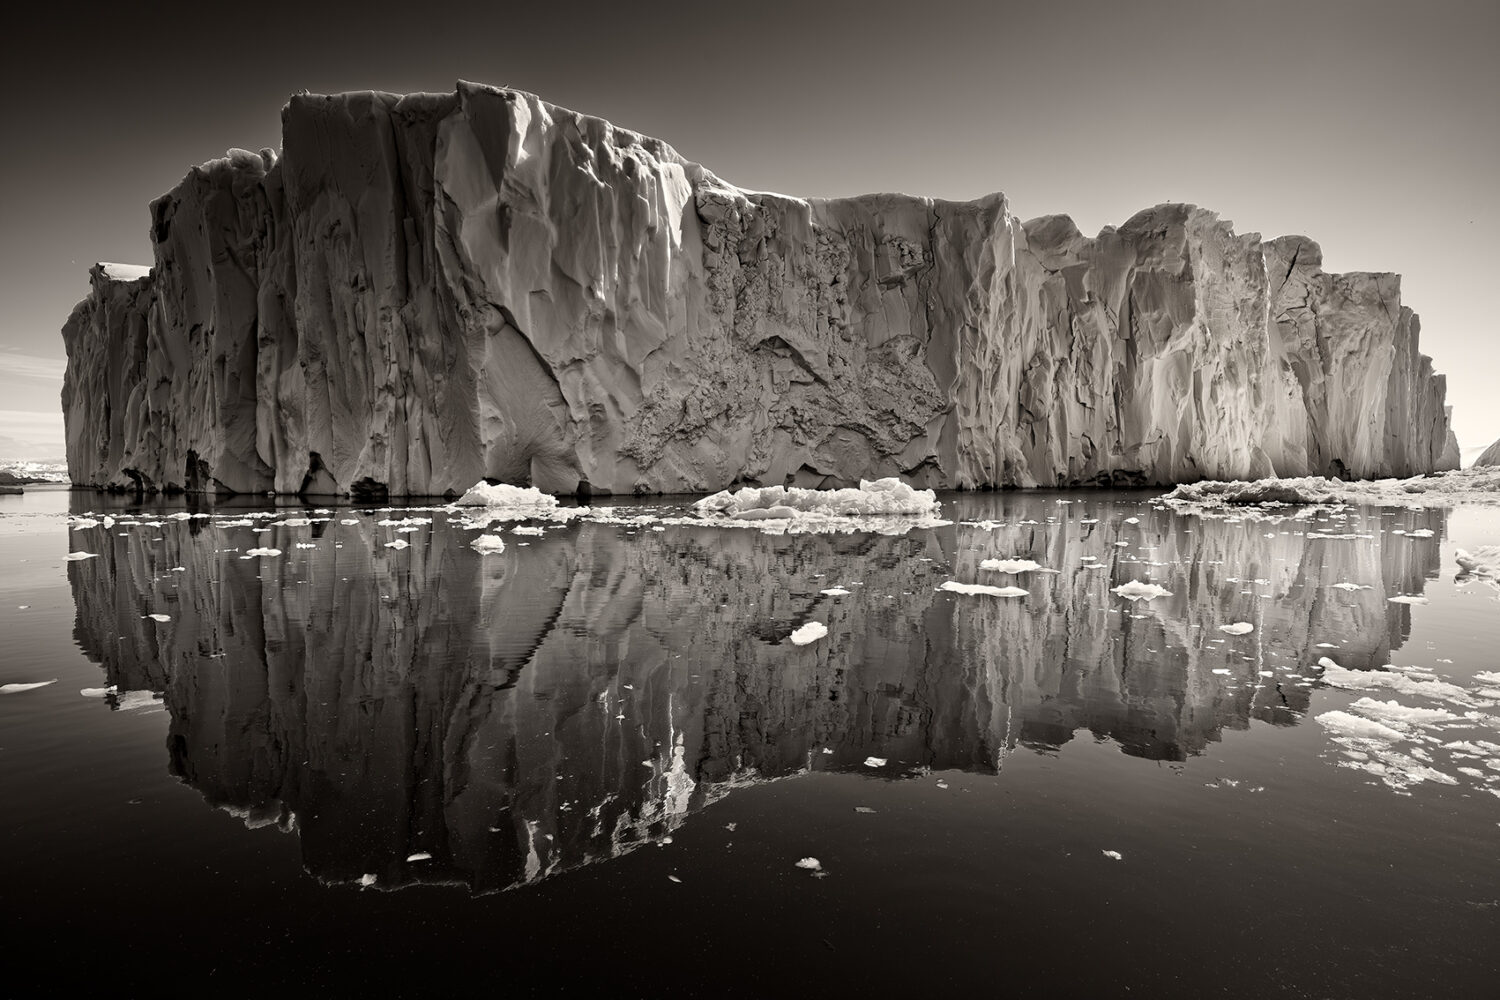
x=421, y=292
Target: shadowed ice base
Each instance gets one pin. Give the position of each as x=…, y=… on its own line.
x=588, y=689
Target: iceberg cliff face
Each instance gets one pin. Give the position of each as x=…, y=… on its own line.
x=423, y=291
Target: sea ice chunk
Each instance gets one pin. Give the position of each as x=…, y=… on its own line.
x=263, y=552
x=811, y=632
x=1408, y=599
x=979, y=588
x=810, y=864
x=514, y=498
x=18, y=688
x=1344, y=724
x=1238, y=628
x=76, y=556
x=875, y=762
x=488, y=543
x=1135, y=590
x=1010, y=565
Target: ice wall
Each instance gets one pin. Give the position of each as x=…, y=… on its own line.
x=422, y=291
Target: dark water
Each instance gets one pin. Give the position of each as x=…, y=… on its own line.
x=590, y=763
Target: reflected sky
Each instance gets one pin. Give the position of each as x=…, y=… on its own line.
x=593, y=686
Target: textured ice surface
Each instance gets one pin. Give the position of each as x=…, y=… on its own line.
x=873, y=497
x=1345, y=724
x=507, y=499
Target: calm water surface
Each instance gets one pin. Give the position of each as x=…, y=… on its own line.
x=590, y=763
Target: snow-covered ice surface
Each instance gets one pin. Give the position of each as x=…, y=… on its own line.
x=1466, y=486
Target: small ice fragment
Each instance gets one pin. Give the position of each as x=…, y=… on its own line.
x=1344, y=724
x=488, y=544
x=18, y=688
x=1132, y=520
x=828, y=749
x=97, y=692
x=1408, y=599
x=811, y=632
x=980, y=588
x=177, y=569
x=349, y=520
x=1221, y=670
x=1135, y=590
x=835, y=592
x=1238, y=628
x=1350, y=586
x=863, y=809
x=399, y=543
x=811, y=864
x=1420, y=533
x=1113, y=854
x=674, y=878
x=76, y=556
x=875, y=762
x=419, y=856
x=262, y=552
x=367, y=880
x=1010, y=565
x=160, y=618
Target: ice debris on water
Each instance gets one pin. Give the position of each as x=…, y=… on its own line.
x=507, y=498
x=1345, y=724
x=835, y=592
x=1012, y=566
x=1350, y=586
x=160, y=618
x=97, y=692
x=488, y=543
x=1136, y=590
x=1116, y=855
x=955, y=587
x=18, y=688
x=366, y=880
x=399, y=543
x=250, y=553
x=419, y=856
x=1237, y=628
x=76, y=556
x=811, y=632
x=875, y=762
x=1408, y=599
x=810, y=864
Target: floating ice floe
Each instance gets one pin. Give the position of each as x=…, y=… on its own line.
x=810, y=864
x=419, y=856
x=1013, y=566
x=835, y=592
x=1238, y=628
x=811, y=632
x=875, y=762
x=366, y=880
x=508, y=500
x=1114, y=855
x=97, y=692
x=160, y=617
x=268, y=553
x=31, y=686
x=488, y=543
x=76, y=556
x=1136, y=590
x=1349, y=586
x=1395, y=713
x=1408, y=599
x=885, y=506
x=1345, y=724
x=399, y=543
x=1390, y=679
x=1483, y=561
x=955, y=587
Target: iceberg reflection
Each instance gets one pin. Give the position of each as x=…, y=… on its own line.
x=586, y=690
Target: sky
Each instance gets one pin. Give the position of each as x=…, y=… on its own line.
x=1371, y=126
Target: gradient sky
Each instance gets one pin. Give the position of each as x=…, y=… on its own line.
x=1371, y=126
